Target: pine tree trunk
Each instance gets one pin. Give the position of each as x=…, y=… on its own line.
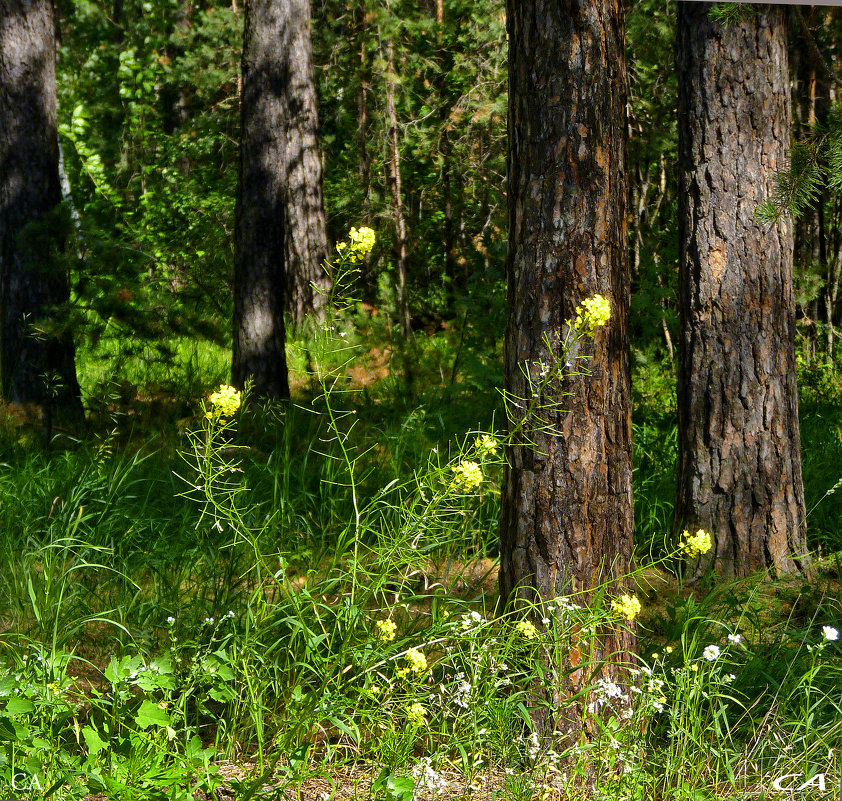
x=566, y=522
x=396, y=190
x=368, y=280
x=363, y=160
x=739, y=463
x=304, y=215
x=450, y=178
x=174, y=97
x=37, y=366
x=259, y=279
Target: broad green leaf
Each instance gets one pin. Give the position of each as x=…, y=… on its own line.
x=150, y=714
x=92, y=739
x=19, y=706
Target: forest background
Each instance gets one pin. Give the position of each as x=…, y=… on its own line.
x=149, y=121
x=142, y=577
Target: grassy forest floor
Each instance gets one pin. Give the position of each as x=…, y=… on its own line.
x=299, y=601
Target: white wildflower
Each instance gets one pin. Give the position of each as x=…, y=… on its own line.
x=711, y=653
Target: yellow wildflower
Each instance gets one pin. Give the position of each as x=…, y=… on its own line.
x=695, y=544
x=592, y=313
x=626, y=606
x=468, y=476
x=224, y=402
x=415, y=714
x=526, y=630
x=360, y=243
x=416, y=660
x=386, y=630
x=486, y=445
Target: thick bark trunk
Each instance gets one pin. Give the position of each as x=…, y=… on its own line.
x=739, y=463
x=306, y=237
x=259, y=279
x=37, y=361
x=566, y=522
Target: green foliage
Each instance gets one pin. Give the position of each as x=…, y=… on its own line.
x=234, y=609
x=215, y=590
x=729, y=13
x=652, y=149
x=451, y=106
x=151, y=164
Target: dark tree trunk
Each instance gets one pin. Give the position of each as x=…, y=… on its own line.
x=739, y=463
x=566, y=522
x=174, y=97
x=288, y=21
x=37, y=357
x=259, y=281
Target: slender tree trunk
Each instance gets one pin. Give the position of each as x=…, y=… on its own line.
x=304, y=215
x=37, y=357
x=444, y=61
x=363, y=161
x=566, y=522
x=810, y=106
x=174, y=98
x=449, y=238
x=117, y=20
x=665, y=329
x=368, y=281
x=259, y=279
x=739, y=463
x=395, y=190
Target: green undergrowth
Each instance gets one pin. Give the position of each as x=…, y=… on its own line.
x=299, y=589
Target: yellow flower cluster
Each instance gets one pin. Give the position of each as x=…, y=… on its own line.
x=468, y=476
x=695, y=544
x=526, y=630
x=592, y=313
x=360, y=243
x=486, y=445
x=415, y=714
x=386, y=630
x=626, y=606
x=416, y=660
x=224, y=402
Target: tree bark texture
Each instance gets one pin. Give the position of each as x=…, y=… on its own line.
x=37, y=366
x=739, y=462
x=305, y=241
x=259, y=275
x=566, y=522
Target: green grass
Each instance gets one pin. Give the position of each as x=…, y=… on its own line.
x=120, y=369
x=199, y=591
x=821, y=459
